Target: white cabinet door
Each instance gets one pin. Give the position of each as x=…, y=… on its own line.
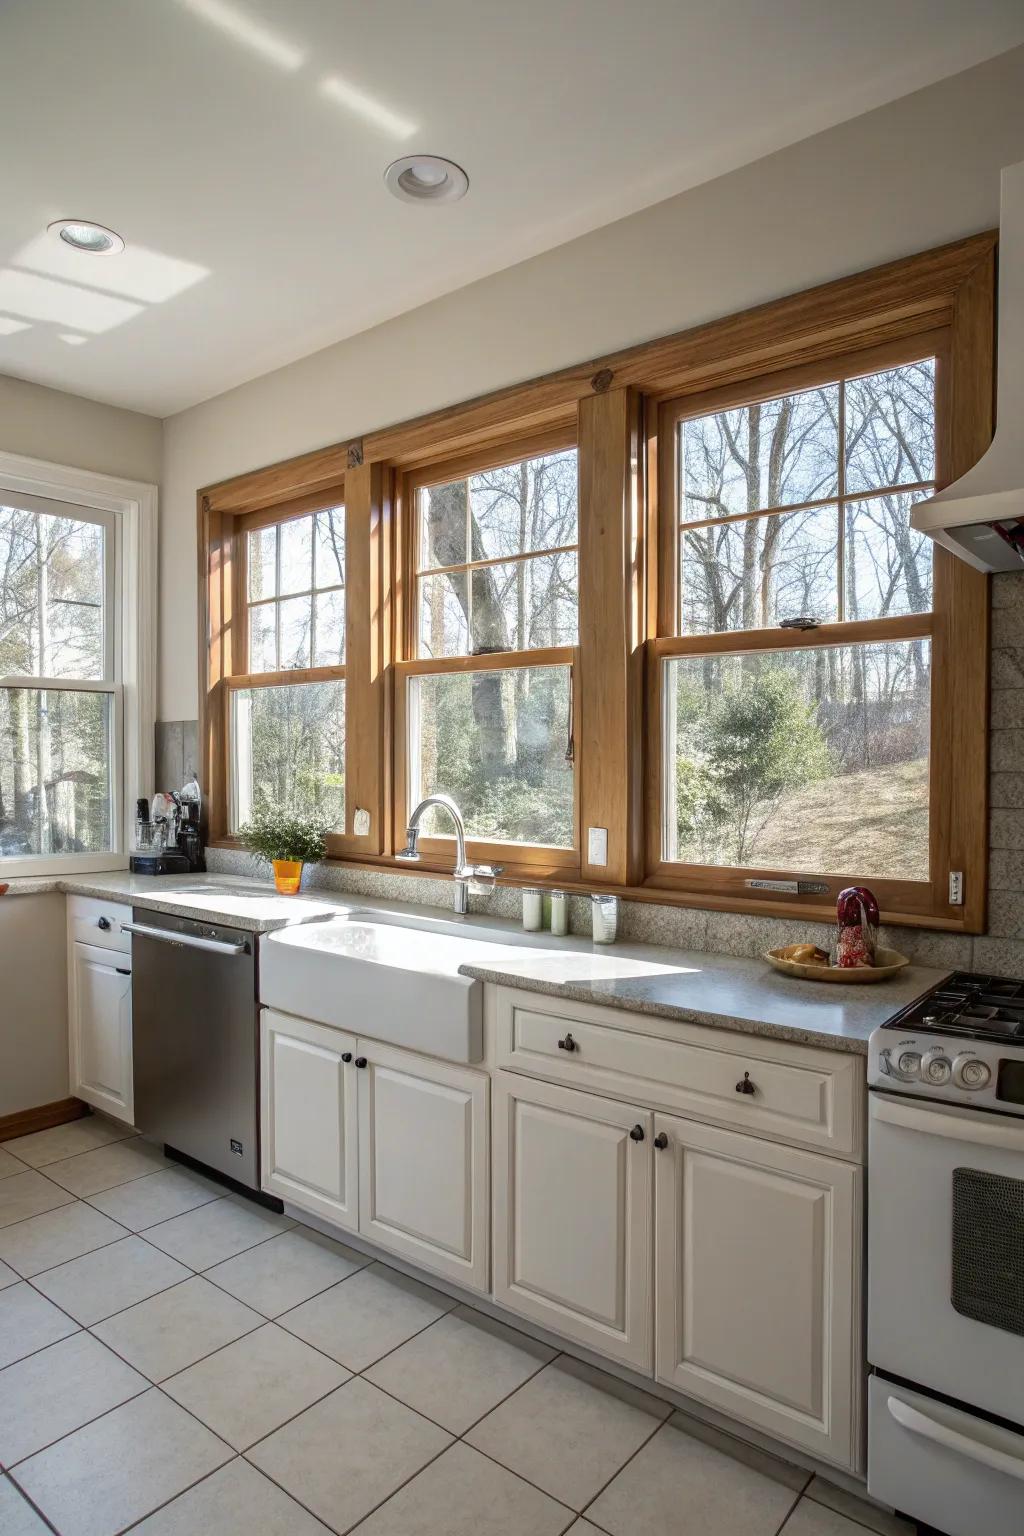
x=758, y=1259
x=572, y=1215
x=308, y=1134
x=100, y=1033
x=423, y=1161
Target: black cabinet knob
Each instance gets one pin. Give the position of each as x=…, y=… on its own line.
x=568, y=1044
x=346, y=1055
x=637, y=1133
x=103, y=922
x=360, y=1061
x=745, y=1085
x=661, y=1141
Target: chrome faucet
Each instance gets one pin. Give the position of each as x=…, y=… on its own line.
x=479, y=876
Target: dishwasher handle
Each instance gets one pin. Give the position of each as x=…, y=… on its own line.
x=190, y=941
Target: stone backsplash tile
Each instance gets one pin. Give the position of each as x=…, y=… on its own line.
x=1006, y=829
x=1006, y=752
x=1005, y=915
x=1006, y=791
x=1007, y=708
x=1005, y=957
x=1007, y=590
x=1008, y=668
x=1006, y=869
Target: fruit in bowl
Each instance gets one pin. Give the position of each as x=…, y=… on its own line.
x=804, y=954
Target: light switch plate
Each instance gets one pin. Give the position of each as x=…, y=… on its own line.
x=597, y=845
x=361, y=823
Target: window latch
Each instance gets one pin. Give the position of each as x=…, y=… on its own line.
x=800, y=621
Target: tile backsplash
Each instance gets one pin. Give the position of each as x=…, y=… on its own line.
x=1001, y=949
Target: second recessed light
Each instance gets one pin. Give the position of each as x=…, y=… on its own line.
x=94, y=239
x=426, y=179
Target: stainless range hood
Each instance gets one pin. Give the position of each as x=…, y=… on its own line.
x=980, y=517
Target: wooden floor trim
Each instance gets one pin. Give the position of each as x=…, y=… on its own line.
x=41, y=1118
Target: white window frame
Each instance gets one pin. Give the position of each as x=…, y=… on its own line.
x=128, y=509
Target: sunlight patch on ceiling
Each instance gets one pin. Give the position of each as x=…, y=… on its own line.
x=72, y=339
x=137, y=273
x=367, y=107
x=234, y=23
x=10, y=327
x=44, y=298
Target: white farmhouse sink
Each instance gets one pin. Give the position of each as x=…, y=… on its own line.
x=386, y=975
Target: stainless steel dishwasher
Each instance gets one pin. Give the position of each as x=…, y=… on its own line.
x=195, y=1038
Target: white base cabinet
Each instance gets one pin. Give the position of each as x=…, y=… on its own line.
x=385, y=1142
x=572, y=1215
x=308, y=1120
x=100, y=1029
x=757, y=1278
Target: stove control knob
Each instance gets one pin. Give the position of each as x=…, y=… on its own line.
x=935, y=1067
x=970, y=1073
x=908, y=1063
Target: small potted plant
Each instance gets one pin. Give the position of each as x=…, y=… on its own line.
x=287, y=842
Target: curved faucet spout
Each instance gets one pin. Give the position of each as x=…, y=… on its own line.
x=463, y=873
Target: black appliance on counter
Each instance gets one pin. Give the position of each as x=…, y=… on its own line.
x=170, y=841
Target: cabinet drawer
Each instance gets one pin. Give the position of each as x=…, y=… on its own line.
x=801, y=1096
x=96, y=922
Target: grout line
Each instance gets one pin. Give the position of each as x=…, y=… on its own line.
x=619, y=1470
x=809, y=1498
x=146, y=1387
x=19, y=1490
x=209, y=1352
x=181, y=1493
x=798, y=1500
x=50, y=1267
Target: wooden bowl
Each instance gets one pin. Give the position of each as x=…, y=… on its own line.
x=888, y=962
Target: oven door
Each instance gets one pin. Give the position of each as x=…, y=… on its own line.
x=946, y=1251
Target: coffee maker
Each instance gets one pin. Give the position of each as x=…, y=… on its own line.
x=168, y=836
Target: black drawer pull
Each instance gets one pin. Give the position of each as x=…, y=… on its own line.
x=745, y=1086
x=103, y=922
x=360, y=1061
x=637, y=1133
x=346, y=1055
x=661, y=1141
x=122, y=970
x=568, y=1044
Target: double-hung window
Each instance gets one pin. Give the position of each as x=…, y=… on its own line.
x=794, y=674
x=286, y=700
x=60, y=693
x=485, y=689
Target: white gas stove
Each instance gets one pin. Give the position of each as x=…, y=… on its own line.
x=946, y=1258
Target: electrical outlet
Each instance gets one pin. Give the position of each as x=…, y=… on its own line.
x=361, y=823
x=597, y=845
x=956, y=888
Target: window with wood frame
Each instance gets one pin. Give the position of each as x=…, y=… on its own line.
x=485, y=690
x=799, y=705
x=286, y=707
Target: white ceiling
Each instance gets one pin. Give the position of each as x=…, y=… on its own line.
x=250, y=193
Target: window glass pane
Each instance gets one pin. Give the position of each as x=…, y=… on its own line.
x=514, y=509
x=495, y=741
x=444, y=614
x=296, y=631
x=262, y=559
x=52, y=582
x=888, y=563
x=329, y=544
x=812, y=760
x=754, y=573
x=296, y=538
x=773, y=453
x=263, y=638
x=525, y=604
x=890, y=427
x=522, y=507
x=330, y=629
x=288, y=749
x=55, y=789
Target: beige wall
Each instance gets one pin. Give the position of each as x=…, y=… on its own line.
x=33, y=1002
x=908, y=176
x=65, y=429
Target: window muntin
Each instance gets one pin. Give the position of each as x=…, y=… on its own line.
x=799, y=506
x=495, y=574
x=287, y=732
x=805, y=760
x=836, y=469
x=497, y=559
x=59, y=743
x=296, y=593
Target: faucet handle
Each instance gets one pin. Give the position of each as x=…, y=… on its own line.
x=410, y=853
x=483, y=876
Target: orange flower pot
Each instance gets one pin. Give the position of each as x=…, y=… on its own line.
x=287, y=875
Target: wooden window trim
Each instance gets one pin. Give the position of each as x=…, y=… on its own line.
x=955, y=714
x=949, y=289
x=526, y=860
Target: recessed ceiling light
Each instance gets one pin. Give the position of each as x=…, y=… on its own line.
x=426, y=179
x=94, y=239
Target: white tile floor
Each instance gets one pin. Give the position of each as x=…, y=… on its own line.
x=177, y=1361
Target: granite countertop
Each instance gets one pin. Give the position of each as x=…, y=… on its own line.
x=721, y=991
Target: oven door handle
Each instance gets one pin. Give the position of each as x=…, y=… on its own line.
x=949, y=1122
x=991, y=1456
x=188, y=940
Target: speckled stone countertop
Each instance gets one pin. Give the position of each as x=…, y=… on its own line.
x=721, y=991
